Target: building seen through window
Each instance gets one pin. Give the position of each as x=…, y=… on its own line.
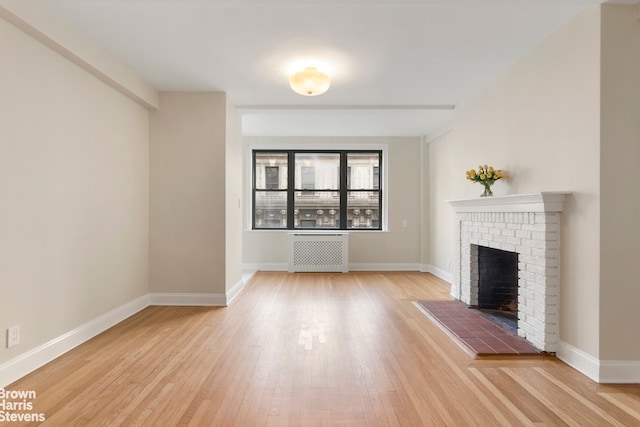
x=317, y=190
x=272, y=177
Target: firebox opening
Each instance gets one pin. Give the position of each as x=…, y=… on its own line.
x=498, y=284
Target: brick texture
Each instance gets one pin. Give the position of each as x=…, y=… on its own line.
x=535, y=236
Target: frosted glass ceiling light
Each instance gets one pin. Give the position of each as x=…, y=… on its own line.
x=309, y=82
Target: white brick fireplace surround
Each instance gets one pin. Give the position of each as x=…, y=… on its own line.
x=528, y=224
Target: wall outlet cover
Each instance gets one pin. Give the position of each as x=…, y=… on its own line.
x=13, y=336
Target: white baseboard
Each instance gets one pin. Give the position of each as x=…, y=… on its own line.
x=352, y=267
x=219, y=300
x=234, y=291
x=266, y=267
x=443, y=274
x=384, y=267
x=31, y=360
x=620, y=372
x=579, y=360
x=248, y=275
x=600, y=371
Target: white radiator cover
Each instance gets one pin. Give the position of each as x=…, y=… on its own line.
x=316, y=252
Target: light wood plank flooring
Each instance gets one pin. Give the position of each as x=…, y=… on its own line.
x=312, y=349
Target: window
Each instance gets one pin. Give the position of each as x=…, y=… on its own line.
x=270, y=196
x=330, y=190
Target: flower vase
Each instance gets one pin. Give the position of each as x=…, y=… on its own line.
x=487, y=189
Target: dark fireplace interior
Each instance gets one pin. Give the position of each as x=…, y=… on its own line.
x=498, y=283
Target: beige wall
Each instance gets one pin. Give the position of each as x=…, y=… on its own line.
x=73, y=194
x=540, y=121
x=187, y=224
x=397, y=246
x=439, y=230
x=619, y=178
x=233, y=197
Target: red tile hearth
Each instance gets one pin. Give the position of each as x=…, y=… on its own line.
x=477, y=331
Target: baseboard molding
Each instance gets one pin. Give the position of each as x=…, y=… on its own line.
x=266, y=267
x=579, y=360
x=31, y=360
x=218, y=300
x=247, y=275
x=234, y=291
x=620, y=372
x=600, y=371
x=352, y=267
x=384, y=267
x=443, y=274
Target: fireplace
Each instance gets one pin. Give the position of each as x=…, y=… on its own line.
x=528, y=227
x=498, y=282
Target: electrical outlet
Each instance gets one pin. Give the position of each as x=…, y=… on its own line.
x=13, y=336
x=404, y=223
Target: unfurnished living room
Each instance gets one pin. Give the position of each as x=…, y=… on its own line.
x=319, y=212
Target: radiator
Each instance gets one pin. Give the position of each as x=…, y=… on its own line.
x=310, y=252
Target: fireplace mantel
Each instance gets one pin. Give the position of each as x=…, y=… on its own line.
x=548, y=201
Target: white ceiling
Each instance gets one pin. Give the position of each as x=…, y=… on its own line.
x=398, y=66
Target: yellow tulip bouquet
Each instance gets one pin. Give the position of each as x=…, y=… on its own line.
x=486, y=175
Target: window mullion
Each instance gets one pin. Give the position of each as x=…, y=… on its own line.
x=343, y=190
x=291, y=182
x=380, y=175
x=253, y=192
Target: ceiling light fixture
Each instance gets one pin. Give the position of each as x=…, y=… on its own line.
x=309, y=82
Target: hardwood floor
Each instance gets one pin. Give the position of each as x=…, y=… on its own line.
x=307, y=350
